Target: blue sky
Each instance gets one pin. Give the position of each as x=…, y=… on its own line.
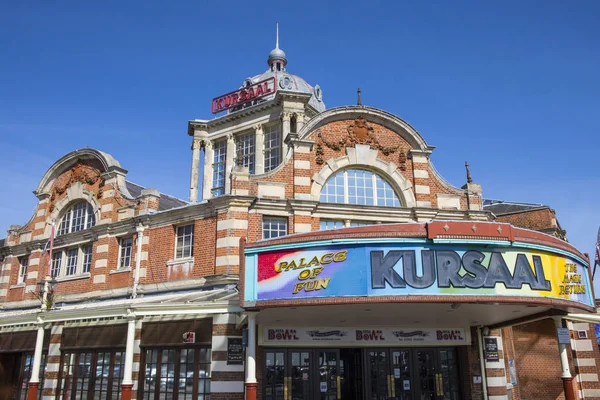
x=510, y=86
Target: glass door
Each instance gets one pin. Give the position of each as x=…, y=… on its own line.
x=402, y=385
x=300, y=375
x=275, y=387
x=379, y=377
x=329, y=387
x=448, y=375
x=426, y=377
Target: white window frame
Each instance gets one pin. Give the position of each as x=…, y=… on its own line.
x=247, y=143
x=272, y=152
x=373, y=187
x=183, y=246
x=219, y=167
x=23, y=266
x=68, y=218
x=64, y=261
x=121, y=261
x=332, y=222
x=270, y=219
x=83, y=258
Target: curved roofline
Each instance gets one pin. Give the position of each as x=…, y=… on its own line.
x=107, y=161
x=391, y=121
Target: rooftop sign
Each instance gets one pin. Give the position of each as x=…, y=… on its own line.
x=243, y=95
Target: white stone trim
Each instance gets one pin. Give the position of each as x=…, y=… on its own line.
x=587, y=393
x=302, y=228
x=401, y=185
x=103, y=248
x=41, y=212
x=3, y=292
x=232, y=224
x=582, y=345
x=144, y=256
x=421, y=173
x=100, y=263
x=219, y=343
x=222, y=366
x=271, y=189
x=301, y=181
x=106, y=207
x=223, y=319
x=39, y=225
x=4, y=279
x=99, y=278
x=582, y=326
x=448, y=201
x=587, y=377
x=420, y=158
x=228, y=242
x=54, y=348
x=495, y=364
x=422, y=189
x=426, y=204
x=226, y=386
x=496, y=381
x=227, y=260
x=585, y=362
x=34, y=261
x=502, y=397
x=301, y=164
x=32, y=275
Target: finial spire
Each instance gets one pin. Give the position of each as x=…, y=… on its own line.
x=358, y=100
x=277, y=35
x=469, y=180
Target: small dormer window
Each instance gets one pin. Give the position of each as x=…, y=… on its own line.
x=78, y=217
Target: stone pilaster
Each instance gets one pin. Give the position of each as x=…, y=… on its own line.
x=208, y=172
x=259, y=162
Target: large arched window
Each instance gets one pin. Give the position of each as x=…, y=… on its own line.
x=359, y=186
x=78, y=217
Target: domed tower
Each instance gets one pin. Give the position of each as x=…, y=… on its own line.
x=253, y=126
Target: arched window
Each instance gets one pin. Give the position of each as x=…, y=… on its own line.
x=78, y=217
x=359, y=186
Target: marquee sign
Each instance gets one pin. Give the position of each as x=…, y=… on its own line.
x=287, y=335
x=367, y=269
x=238, y=97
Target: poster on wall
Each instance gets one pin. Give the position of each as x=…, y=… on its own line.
x=491, y=349
x=235, y=351
x=366, y=269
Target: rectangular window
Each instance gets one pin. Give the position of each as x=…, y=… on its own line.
x=125, y=246
x=272, y=147
x=274, y=227
x=56, y=264
x=23, y=262
x=327, y=224
x=87, y=259
x=184, y=244
x=361, y=223
x=71, y=262
x=247, y=143
x=219, y=157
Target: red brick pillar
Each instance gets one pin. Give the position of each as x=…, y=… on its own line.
x=251, y=391
x=125, y=391
x=32, y=390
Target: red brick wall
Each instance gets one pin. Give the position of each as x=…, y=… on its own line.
x=537, y=360
x=536, y=220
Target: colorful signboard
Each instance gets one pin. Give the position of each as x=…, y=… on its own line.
x=251, y=92
x=364, y=336
x=366, y=269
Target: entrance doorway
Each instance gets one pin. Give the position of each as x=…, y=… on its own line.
x=354, y=374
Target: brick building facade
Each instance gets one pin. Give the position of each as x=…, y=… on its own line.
x=112, y=290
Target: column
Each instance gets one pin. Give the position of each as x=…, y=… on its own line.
x=259, y=161
x=251, y=358
x=128, y=367
x=34, y=382
x=285, y=118
x=564, y=365
x=208, y=172
x=196, y=144
x=299, y=122
x=229, y=161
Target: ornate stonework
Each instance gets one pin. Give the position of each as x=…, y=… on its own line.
x=359, y=132
x=79, y=172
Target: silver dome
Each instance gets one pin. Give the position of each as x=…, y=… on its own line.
x=277, y=55
x=292, y=83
